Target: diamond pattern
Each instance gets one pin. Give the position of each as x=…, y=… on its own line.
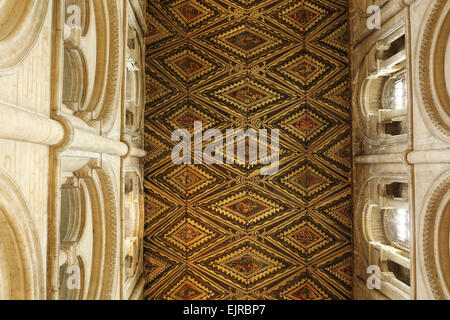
x=158, y=33
x=245, y=263
x=246, y=207
x=189, y=11
x=224, y=231
x=188, y=291
x=340, y=269
x=303, y=16
x=336, y=96
x=246, y=41
x=339, y=210
x=307, y=181
x=304, y=69
x=189, y=287
x=192, y=14
x=305, y=287
x=182, y=115
x=305, y=125
x=309, y=238
x=336, y=39
x=188, y=65
x=158, y=90
x=188, y=235
x=155, y=206
x=337, y=153
x=246, y=95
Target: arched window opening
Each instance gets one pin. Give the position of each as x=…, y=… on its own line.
x=394, y=97
x=388, y=49
x=401, y=273
x=396, y=190
x=384, y=91
x=132, y=51
x=387, y=225
x=392, y=116
x=393, y=202
x=133, y=208
x=71, y=279
x=132, y=95
x=396, y=227
x=129, y=118
x=133, y=81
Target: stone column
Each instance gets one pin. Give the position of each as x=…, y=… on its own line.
x=429, y=157
x=22, y=125
x=79, y=136
x=391, y=158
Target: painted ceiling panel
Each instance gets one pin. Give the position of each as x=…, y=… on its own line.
x=225, y=231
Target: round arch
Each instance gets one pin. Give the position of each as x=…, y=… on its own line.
x=19, y=30
x=435, y=235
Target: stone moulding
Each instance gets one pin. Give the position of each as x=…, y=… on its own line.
x=112, y=225
x=431, y=72
x=364, y=86
x=133, y=281
x=74, y=89
x=435, y=237
x=362, y=202
x=19, y=237
x=105, y=216
x=19, y=30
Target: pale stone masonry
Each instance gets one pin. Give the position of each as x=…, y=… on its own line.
x=71, y=199
x=72, y=98
x=402, y=147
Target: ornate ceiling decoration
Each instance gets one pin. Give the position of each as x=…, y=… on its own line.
x=223, y=231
